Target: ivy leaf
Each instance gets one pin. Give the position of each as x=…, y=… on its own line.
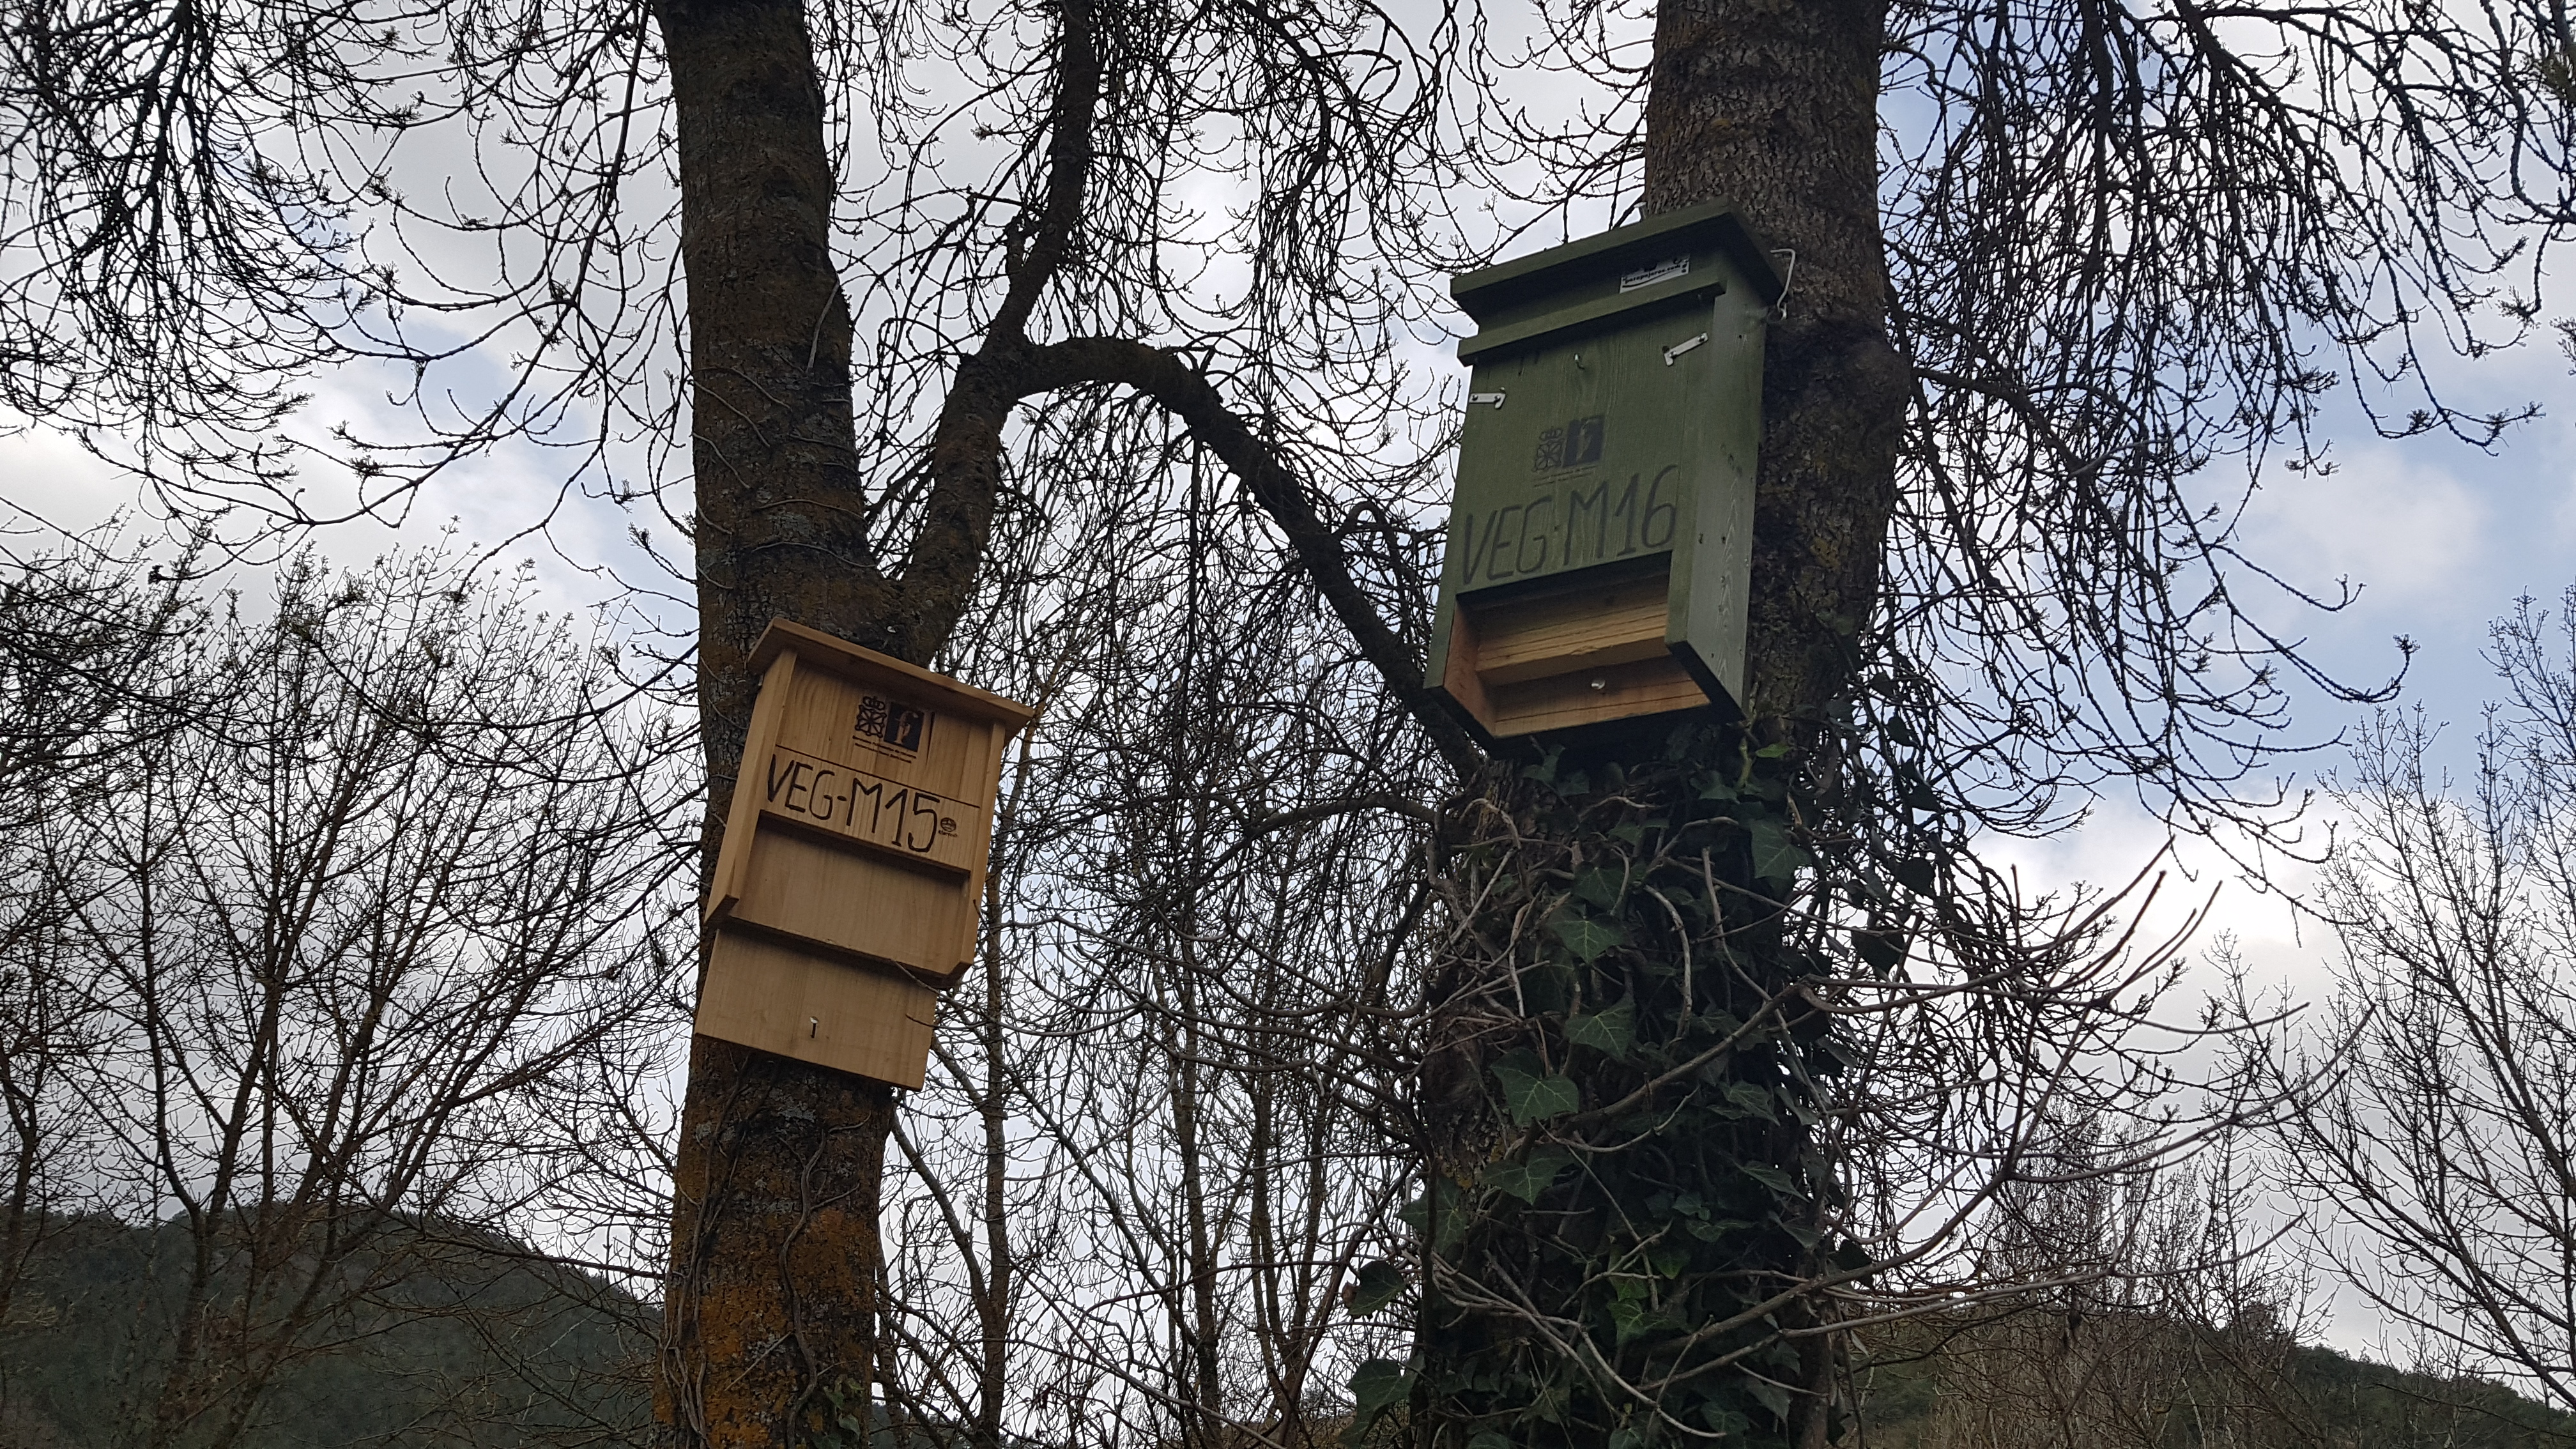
x=1488, y=1440
x=1882, y=950
x=1377, y=1385
x=1626, y=1439
x=1726, y=1421
x=1627, y=1316
x=1600, y=887
x=1611, y=1031
x=1772, y=1178
x=1772, y=1396
x=1648, y=1320
x=1772, y=752
x=1775, y=857
x=1585, y=936
x=1526, y=1180
x=1915, y=875
x=1748, y=1100
x=1710, y=1232
x=1438, y=1207
x=1533, y=1098
x=1717, y=788
x=1375, y=1286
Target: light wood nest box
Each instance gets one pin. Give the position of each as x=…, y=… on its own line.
x=849, y=889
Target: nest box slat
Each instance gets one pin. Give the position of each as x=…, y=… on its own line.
x=850, y=884
x=1601, y=534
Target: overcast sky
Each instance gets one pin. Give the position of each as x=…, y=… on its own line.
x=2440, y=539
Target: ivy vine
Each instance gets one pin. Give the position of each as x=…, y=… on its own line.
x=1624, y=1074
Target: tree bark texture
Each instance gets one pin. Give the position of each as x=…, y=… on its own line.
x=770, y=1309
x=1772, y=105
x=769, y=1314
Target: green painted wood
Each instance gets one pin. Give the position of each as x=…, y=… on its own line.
x=1508, y=291
x=1597, y=314
x=1612, y=419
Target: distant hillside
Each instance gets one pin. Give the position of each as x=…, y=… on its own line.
x=487, y=1351
x=2139, y=1382
x=492, y=1352
x=2379, y=1405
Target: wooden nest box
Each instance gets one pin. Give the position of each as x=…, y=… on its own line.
x=1601, y=533
x=849, y=890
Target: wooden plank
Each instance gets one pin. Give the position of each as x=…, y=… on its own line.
x=1563, y=701
x=865, y=904
x=742, y=817
x=869, y=811
x=1561, y=631
x=776, y=999
x=893, y=733
x=863, y=664
x=1458, y=674
x=861, y=825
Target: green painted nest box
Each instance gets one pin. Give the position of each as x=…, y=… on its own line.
x=1602, y=530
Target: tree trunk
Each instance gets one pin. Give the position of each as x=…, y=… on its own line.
x=770, y=1309
x=1772, y=105
x=993, y=1305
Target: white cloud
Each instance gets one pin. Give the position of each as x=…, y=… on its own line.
x=2384, y=517
x=47, y=474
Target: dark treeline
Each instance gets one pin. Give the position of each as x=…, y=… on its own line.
x=481, y=1342
x=335, y=950
x=496, y=1349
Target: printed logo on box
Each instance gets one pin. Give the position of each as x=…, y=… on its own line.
x=1576, y=445
x=887, y=724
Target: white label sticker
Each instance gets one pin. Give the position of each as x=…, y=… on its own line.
x=1685, y=345
x=1663, y=271
x=1490, y=399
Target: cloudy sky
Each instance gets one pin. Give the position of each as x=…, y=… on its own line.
x=2439, y=538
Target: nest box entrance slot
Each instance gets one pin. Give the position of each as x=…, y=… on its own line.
x=1578, y=651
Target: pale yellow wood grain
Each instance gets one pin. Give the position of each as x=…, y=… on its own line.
x=734, y=855
x=776, y=999
x=843, y=657
x=1558, y=633
x=1580, y=653
x=844, y=843
x=869, y=811
x=1562, y=701
x=1458, y=675
x=822, y=720
x=865, y=904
